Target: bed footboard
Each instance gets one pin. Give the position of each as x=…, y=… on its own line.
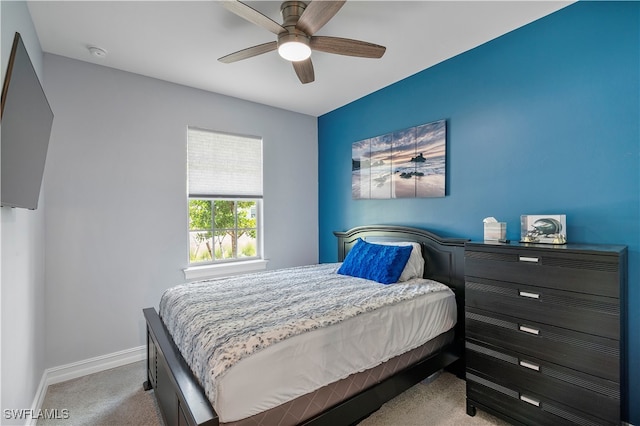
x=180, y=401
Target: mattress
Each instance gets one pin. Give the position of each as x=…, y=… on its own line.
x=257, y=341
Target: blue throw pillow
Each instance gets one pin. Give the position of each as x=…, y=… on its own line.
x=380, y=263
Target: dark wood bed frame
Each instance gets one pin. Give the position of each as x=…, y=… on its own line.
x=182, y=401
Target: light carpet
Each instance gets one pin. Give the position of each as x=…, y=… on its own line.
x=115, y=398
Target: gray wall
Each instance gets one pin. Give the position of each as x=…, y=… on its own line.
x=21, y=258
x=115, y=185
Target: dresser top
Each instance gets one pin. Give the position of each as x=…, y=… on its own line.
x=569, y=247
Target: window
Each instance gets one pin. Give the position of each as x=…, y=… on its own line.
x=225, y=196
x=222, y=229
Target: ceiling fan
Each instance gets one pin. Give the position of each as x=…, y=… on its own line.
x=296, y=40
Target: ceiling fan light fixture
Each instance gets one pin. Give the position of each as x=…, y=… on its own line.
x=294, y=51
x=294, y=47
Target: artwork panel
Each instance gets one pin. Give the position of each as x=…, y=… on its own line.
x=431, y=159
x=360, y=169
x=404, y=149
x=381, y=153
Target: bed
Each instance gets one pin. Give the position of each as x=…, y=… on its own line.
x=319, y=364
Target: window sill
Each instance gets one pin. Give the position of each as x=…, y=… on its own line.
x=224, y=269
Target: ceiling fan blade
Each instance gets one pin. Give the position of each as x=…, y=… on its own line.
x=316, y=14
x=304, y=70
x=250, y=14
x=249, y=52
x=346, y=46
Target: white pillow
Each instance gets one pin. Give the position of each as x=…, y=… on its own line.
x=415, y=265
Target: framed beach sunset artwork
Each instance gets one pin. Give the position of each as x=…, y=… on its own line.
x=409, y=163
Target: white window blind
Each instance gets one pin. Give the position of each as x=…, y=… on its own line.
x=220, y=164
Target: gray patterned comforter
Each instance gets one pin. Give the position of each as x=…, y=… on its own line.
x=216, y=323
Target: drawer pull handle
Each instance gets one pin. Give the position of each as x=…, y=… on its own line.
x=529, y=295
x=529, y=400
x=529, y=330
x=529, y=365
x=529, y=259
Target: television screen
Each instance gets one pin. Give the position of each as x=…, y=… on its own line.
x=25, y=126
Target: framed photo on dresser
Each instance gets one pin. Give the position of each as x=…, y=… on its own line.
x=544, y=229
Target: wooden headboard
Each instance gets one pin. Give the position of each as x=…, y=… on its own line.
x=444, y=257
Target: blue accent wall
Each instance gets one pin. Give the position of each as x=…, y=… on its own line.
x=543, y=120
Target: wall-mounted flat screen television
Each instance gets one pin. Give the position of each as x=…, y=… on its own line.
x=25, y=125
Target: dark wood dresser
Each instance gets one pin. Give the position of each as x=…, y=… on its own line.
x=545, y=332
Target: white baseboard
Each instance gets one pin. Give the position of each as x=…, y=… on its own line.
x=94, y=365
x=74, y=370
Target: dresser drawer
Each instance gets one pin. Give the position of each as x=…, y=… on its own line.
x=524, y=407
x=591, y=354
x=581, y=312
x=592, y=274
x=588, y=394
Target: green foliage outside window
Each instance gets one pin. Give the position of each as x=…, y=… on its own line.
x=214, y=222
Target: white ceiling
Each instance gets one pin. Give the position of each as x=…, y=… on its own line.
x=180, y=41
